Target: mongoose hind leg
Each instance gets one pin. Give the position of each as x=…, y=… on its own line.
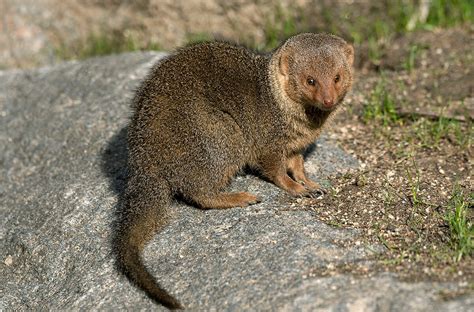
x=295, y=166
x=225, y=200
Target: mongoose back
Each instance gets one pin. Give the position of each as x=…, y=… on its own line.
x=210, y=109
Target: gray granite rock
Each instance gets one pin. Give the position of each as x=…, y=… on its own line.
x=63, y=157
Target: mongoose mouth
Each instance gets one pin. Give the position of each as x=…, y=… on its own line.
x=326, y=106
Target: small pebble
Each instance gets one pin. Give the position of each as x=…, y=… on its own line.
x=8, y=260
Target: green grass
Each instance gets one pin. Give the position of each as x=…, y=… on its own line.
x=460, y=227
x=446, y=13
x=431, y=133
x=414, y=182
x=415, y=221
x=388, y=194
x=198, y=37
x=375, y=50
x=389, y=19
x=380, y=106
x=462, y=136
x=283, y=27
x=105, y=43
x=410, y=61
x=441, y=13
x=384, y=21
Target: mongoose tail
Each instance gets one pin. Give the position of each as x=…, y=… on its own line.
x=142, y=219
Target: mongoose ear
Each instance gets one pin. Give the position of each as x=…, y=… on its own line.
x=349, y=51
x=284, y=63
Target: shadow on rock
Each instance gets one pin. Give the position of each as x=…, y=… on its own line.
x=114, y=162
x=114, y=159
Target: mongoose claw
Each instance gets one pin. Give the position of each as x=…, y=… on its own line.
x=256, y=201
x=317, y=193
x=309, y=194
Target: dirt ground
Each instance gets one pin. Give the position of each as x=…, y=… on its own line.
x=414, y=158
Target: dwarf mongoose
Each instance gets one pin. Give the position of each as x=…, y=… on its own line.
x=210, y=109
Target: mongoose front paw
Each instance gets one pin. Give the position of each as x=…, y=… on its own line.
x=297, y=190
x=310, y=193
x=314, y=189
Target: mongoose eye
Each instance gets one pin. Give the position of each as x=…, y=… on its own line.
x=338, y=77
x=311, y=81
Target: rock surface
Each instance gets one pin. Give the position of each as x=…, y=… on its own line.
x=63, y=157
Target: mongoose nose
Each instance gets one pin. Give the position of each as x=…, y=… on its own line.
x=328, y=103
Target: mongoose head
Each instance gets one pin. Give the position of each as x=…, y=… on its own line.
x=316, y=69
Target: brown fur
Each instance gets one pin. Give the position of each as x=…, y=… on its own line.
x=210, y=109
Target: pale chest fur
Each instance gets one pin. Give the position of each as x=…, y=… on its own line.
x=299, y=135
